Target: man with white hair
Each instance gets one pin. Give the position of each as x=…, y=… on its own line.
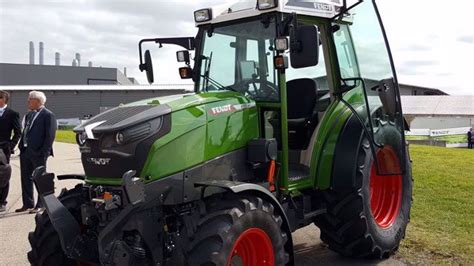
x=36, y=145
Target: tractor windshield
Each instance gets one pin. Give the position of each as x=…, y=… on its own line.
x=239, y=57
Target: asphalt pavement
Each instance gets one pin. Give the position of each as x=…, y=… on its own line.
x=14, y=227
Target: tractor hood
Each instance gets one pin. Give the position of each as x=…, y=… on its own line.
x=129, y=115
x=151, y=136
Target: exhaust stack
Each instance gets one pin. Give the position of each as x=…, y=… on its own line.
x=41, y=53
x=57, y=59
x=32, y=53
x=78, y=58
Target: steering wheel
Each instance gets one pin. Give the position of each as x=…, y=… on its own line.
x=267, y=89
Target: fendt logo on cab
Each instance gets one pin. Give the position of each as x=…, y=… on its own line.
x=221, y=109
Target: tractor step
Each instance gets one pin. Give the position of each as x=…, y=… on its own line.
x=298, y=172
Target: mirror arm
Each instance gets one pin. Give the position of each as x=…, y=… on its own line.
x=185, y=42
x=295, y=44
x=344, y=10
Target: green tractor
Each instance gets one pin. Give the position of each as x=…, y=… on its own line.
x=295, y=119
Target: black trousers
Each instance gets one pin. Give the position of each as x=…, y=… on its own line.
x=28, y=164
x=4, y=190
x=470, y=144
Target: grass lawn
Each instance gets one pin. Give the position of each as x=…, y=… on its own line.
x=441, y=230
x=65, y=136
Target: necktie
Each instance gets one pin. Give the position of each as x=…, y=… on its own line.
x=28, y=121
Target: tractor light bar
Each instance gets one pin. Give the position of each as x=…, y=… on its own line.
x=203, y=15
x=266, y=4
x=281, y=44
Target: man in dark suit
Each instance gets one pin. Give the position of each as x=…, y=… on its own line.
x=36, y=145
x=10, y=131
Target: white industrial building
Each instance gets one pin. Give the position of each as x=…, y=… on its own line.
x=438, y=112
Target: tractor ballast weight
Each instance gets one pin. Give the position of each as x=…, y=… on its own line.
x=293, y=120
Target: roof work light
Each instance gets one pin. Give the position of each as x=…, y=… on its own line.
x=281, y=44
x=266, y=4
x=203, y=15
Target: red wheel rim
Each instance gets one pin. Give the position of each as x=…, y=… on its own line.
x=253, y=247
x=385, y=190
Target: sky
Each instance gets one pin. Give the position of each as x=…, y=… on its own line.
x=432, y=41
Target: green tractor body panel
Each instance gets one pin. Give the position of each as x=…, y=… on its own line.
x=204, y=126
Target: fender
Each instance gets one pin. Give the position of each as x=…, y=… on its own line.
x=240, y=187
x=348, y=142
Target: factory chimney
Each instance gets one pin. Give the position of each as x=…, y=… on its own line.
x=57, y=59
x=32, y=53
x=78, y=58
x=125, y=71
x=90, y=64
x=74, y=62
x=41, y=53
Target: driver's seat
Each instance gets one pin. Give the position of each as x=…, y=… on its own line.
x=302, y=97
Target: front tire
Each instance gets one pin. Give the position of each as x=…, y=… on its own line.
x=238, y=230
x=370, y=220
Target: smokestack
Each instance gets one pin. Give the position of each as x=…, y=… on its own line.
x=78, y=58
x=41, y=53
x=57, y=59
x=74, y=62
x=125, y=71
x=32, y=53
x=90, y=64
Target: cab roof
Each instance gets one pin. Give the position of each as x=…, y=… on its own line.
x=248, y=8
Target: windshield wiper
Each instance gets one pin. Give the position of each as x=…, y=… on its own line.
x=217, y=84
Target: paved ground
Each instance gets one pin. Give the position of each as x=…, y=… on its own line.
x=14, y=227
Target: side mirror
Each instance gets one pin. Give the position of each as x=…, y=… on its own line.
x=148, y=67
x=305, y=47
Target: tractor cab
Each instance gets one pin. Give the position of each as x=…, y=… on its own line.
x=296, y=60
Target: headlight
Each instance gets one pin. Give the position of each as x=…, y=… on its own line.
x=119, y=138
x=131, y=135
x=81, y=138
x=266, y=4
x=203, y=15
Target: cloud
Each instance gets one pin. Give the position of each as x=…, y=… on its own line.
x=466, y=39
x=427, y=51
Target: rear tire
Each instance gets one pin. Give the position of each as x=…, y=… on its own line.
x=238, y=229
x=362, y=223
x=45, y=244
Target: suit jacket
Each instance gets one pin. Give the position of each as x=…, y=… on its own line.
x=40, y=136
x=5, y=170
x=10, y=122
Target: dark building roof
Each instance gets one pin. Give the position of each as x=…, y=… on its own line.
x=21, y=74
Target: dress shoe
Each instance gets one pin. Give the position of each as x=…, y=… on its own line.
x=22, y=209
x=36, y=210
x=3, y=207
